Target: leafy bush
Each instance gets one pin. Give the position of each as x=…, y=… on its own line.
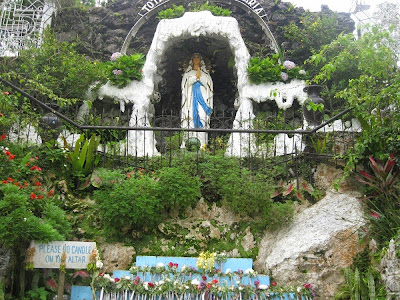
x=177, y=189
x=130, y=204
x=123, y=68
x=270, y=70
x=363, y=73
x=55, y=69
x=250, y=196
x=171, y=13
x=215, y=9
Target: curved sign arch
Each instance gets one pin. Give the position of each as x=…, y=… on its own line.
x=253, y=7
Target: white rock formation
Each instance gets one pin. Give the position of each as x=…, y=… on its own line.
x=390, y=270
x=321, y=240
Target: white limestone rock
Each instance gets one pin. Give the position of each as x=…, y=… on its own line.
x=321, y=240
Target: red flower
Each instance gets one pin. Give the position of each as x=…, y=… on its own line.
x=40, y=197
x=10, y=179
x=215, y=281
x=5, y=93
x=274, y=283
x=51, y=193
x=11, y=157
x=27, y=164
x=374, y=214
x=209, y=286
x=204, y=278
x=37, y=183
x=116, y=279
x=256, y=283
x=175, y=265
x=32, y=196
x=151, y=284
x=171, y=264
x=3, y=137
x=25, y=184
x=5, y=181
x=35, y=168
x=307, y=286
x=1, y=115
x=100, y=274
x=7, y=152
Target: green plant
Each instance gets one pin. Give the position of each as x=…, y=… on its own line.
x=84, y=156
x=270, y=69
x=55, y=69
x=177, y=190
x=215, y=10
x=129, y=204
x=38, y=293
x=315, y=106
x=319, y=144
x=122, y=69
x=362, y=72
x=361, y=285
x=171, y=13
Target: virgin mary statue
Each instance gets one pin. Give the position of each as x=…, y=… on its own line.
x=197, y=99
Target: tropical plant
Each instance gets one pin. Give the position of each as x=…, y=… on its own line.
x=122, y=69
x=361, y=286
x=84, y=156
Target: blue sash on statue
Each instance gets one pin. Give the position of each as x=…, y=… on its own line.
x=198, y=99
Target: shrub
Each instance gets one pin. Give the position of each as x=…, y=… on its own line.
x=177, y=189
x=132, y=204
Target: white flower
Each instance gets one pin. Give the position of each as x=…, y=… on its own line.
x=195, y=281
x=302, y=72
x=228, y=271
x=161, y=282
x=146, y=285
x=238, y=282
x=107, y=276
x=284, y=76
x=99, y=264
x=288, y=64
x=263, y=287
x=160, y=265
x=299, y=289
x=249, y=271
x=240, y=288
x=24, y=219
x=127, y=277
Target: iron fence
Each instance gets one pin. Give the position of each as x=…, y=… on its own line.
x=276, y=138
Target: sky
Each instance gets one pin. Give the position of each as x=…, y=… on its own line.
x=335, y=5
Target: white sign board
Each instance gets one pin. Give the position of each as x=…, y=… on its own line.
x=49, y=255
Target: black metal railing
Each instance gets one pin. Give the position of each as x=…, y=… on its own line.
x=258, y=147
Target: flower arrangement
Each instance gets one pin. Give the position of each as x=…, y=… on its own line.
x=270, y=69
x=189, y=283
x=122, y=69
x=205, y=261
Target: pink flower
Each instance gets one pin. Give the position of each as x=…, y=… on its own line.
x=170, y=264
x=256, y=283
x=175, y=265
x=117, y=72
x=307, y=286
x=151, y=284
x=115, y=56
x=288, y=64
x=284, y=76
